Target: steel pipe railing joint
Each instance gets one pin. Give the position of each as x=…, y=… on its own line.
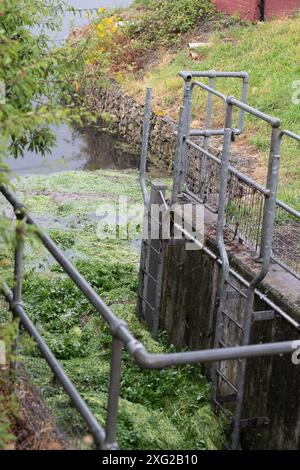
x=16, y=303
x=142, y=357
x=187, y=76
x=245, y=76
x=115, y=326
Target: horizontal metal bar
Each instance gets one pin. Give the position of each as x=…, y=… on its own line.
x=56, y=368
x=237, y=289
x=211, y=132
x=288, y=209
x=286, y=267
x=274, y=121
x=212, y=74
x=159, y=361
x=289, y=134
x=198, y=199
x=209, y=89
x=264, y=315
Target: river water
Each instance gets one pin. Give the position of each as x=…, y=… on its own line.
x=84, y=149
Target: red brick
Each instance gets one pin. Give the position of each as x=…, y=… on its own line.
x=249, y=9
x=279, y=8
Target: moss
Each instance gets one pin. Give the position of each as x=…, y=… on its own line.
x=109, y=118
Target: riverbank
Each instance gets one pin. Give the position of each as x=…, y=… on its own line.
x=225, y=44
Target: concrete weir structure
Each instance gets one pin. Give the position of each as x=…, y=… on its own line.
x=240, y=286
x=188, y=312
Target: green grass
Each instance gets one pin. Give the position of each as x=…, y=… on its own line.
x=269, y=53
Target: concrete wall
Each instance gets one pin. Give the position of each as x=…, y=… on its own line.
x=188, y=314
x=249, y=9
x=129, y=120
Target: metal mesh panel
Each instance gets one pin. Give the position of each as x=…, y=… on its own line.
x=245, y=203
x=286, y=240
x=244, y=212
x=210, y=182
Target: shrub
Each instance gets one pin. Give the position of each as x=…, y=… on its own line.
x=163, y=21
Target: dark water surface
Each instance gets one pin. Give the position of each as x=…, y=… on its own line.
x=84, y=149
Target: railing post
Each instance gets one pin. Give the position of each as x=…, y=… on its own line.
x=270, y=201
x=18, y=283
x=207, y=125
x=187, y=104
x=224, y=170
x=113, y=395
x=244, y=100
x=178, y=169
x=145, y=145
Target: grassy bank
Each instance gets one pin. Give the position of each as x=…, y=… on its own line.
x=268, y=53
x=166, y=409
x=156, y=50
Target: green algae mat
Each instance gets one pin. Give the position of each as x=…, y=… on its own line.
x=168, y=409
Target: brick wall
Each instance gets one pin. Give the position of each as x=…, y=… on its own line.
x=281, y=8
x=249, y=9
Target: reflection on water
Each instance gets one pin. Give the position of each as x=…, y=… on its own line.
x=77, y=150
x=104, y=150
x=87, y=149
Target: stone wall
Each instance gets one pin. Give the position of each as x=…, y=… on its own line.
x=129, y=120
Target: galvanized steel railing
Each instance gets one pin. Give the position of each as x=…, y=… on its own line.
x=105, y=438
x=242, y=205
x=197, y=173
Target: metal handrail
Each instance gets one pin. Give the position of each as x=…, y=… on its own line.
x=121, y=336
x=207, y=132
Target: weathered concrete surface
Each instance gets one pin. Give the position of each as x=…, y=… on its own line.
x=190, y=295
x=188, y=314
